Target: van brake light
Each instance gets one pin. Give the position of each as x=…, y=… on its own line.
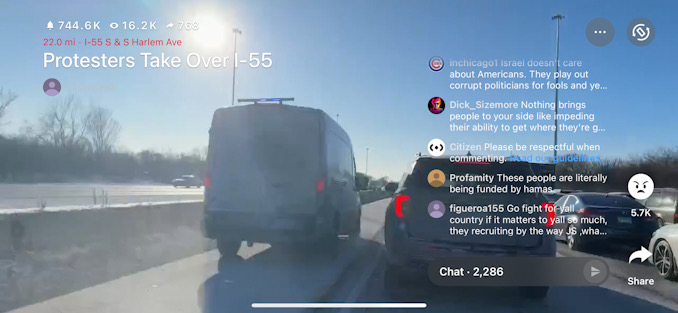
x=321, y=185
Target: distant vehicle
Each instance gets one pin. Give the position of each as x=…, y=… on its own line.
x=390, y=187
x=187, y=181
x=415, y=235
x=663, y=242
x=621, y=226
x=664, y=203
x=279, y=174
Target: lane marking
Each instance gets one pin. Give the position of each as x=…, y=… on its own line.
x=362, y=281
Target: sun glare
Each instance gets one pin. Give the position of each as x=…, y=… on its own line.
x=212, y=33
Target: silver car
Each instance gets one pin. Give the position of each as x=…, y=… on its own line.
x=187, y=181
x=664, y=202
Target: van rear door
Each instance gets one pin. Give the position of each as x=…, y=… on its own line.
x=264, y=159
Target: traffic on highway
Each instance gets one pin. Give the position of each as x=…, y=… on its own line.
x=305, y=156
x=309, y=249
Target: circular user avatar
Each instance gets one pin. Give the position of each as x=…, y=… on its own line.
x=641, y=186
x=436, y=178
x=436, y=147
x=51, y=87
x=436, y=64
x=436, y=209
x=436, y=105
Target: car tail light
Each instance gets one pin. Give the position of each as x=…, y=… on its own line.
x=320, y=187
x=550, y=210
x=586, y=212
x=207, y=182
x=401, y=205
x=675, y=217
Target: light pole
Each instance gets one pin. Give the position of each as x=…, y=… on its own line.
x=557, y=18
x=367, y=154
x=236, y=32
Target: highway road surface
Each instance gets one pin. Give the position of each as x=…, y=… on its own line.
x=22, y=196
x=265, y=274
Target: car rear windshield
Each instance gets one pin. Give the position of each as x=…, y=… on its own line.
x=610, y=201
x=552, y=197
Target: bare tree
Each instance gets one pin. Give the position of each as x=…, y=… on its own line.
x=62, y=125
x=378, y=183
x=5, y=100
x=199, y=153
x=662, y=156
x=101, y=129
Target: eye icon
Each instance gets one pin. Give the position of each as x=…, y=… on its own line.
x=641, y=188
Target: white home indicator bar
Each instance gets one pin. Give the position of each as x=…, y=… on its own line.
x=339, y=305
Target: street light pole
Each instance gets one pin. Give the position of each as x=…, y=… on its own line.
x=236, y=32
x=367, y=154
x=557, y=18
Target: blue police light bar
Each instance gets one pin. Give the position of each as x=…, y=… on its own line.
x=265, y=100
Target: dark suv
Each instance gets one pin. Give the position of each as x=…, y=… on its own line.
x=414, y=235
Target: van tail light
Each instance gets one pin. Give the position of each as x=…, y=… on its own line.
x=320, y=187
x=402, y=203
x=207, y=182
x=550, y=210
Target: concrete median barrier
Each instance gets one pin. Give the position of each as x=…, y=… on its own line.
x=367, y=196
x=45, y=253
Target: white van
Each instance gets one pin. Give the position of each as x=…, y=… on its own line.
x=279, y=174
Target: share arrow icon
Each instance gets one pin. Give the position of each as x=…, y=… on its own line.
x=642, y=254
